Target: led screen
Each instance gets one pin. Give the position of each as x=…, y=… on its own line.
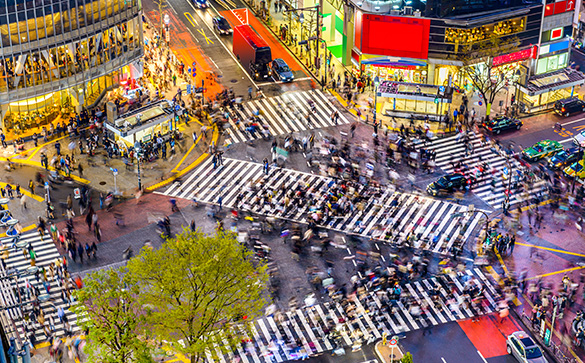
x=395, y=36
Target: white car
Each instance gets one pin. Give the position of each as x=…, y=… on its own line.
x=579, y=139
x=523, y=348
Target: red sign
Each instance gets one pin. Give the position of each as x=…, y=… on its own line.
x=559, y=7
x=395, y=36
x=516, y=56
x=556, y=33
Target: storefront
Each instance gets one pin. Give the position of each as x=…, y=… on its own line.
x=541, y=91
x=405, y=100
x=143, y=124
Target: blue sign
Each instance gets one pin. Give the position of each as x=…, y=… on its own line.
x=194, y=64
x=189, y=69
x=480, y=103
x=194, y=74
x=177, y=107
x=188, y=89
x=442, y=89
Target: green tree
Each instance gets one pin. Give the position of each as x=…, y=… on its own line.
x=407, y=358
x=196, y=287
x=108, y=310
x=479, y=68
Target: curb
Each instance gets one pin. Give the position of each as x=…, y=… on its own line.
x=187, y=169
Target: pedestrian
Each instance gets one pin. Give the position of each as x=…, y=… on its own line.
x=31, y=186
x=512, y=243
x=58, y=148
x=220, y=201
x=88, y=217
x=80, y=253
x=80, y=170
x=352, y=129
x=192, y=226
x=265, y=161
x=23, y=201
x=3, y=139
x=41, y=226
x=194, y=137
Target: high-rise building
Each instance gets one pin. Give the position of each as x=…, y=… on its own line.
x=59, y=56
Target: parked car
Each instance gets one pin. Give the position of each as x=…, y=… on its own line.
x=541, y=149
x=221, y=25
x=200, y=4
x=523, y=348
x=570, y=105
x=575, y=170
x=282, y=70
x=564, y=157
x=502, y=123
x=449, y=183
x=579, y=139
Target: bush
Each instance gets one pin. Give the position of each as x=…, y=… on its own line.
x=407, y=358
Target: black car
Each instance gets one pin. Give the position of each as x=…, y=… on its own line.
x=449, y=183
x=502, y=123
x=564, y=158
x=568, y=106
x=282, y=71
x=222, y=26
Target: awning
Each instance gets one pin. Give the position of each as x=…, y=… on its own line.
x=563, y=78
x=394, y=62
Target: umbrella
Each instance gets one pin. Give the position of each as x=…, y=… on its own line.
x=71, y=145
x=394, y=175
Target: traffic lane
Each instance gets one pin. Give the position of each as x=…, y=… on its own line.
x=463, y=341
x=364, y=355
x=193, y=40
x=527, y=137
x=241, y=16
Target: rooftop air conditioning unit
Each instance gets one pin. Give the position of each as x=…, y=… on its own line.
x=394, y=12
x=407, y=10
x=417, y=13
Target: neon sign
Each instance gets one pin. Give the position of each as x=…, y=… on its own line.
x=516, y=56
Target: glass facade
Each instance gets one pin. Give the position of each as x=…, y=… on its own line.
x=60, y=55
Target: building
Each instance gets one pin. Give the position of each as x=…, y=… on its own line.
x=415, y=42
x=60, y=56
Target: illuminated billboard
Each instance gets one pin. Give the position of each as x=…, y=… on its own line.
x=395, y=36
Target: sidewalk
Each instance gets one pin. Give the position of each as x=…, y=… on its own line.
x=546, y=256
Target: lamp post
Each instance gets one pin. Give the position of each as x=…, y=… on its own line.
x=318, y=32
x=376, y=84
x=115, y=172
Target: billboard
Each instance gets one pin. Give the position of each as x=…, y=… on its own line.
x=395, y=36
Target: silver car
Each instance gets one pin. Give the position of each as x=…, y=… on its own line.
x=523, y=348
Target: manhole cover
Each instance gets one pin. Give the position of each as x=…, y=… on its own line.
x=102, y=183
x=234, y=80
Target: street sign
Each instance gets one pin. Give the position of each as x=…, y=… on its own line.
x=188, y=89
x=177, y=107
x=393, y=342
x=302, y=42
x=46, y=185
x=442, y=89
x=76, y=193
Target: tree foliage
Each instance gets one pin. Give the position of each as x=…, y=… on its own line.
x=478, y=66
x=195, y=287
x=107, y=309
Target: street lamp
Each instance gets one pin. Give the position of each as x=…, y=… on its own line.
x=376, y=84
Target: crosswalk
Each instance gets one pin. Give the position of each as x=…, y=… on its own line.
x=369, y=315
x=451, y=149
x=385, y=215
x=284, y=114
x=19, y=272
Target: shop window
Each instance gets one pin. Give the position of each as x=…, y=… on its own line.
x=466, y=36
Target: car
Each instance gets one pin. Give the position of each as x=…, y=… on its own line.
x=579, y=139
x=575, y=170
x=523, y=348
x=200, y=4
x=449, y=183
x=221, y=25
x=564, y=157
x=282, y=70
x=502, y=123
x=570, y=105
x=541, y=149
